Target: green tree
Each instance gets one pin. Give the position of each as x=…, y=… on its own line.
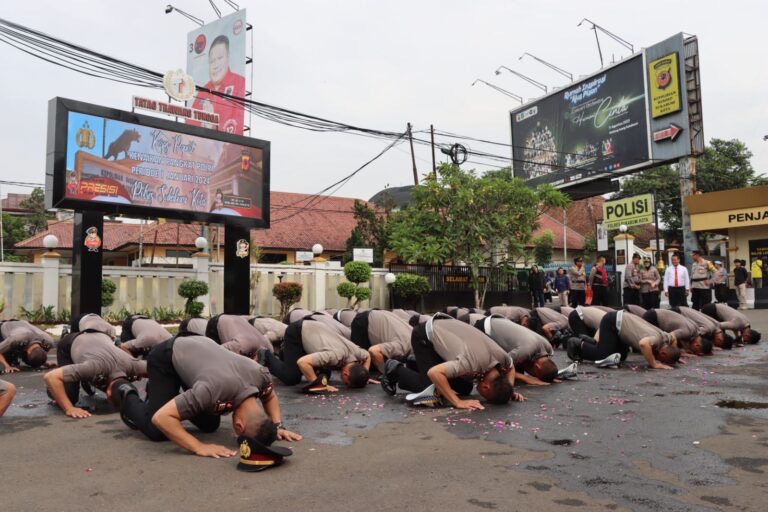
x=37, y=221
x=191, y=289
x=462, y=218
x=13, y=233
x=542, y=247
x=288, y=294
x=724, y=165
x=356, y=272
x=370, y=231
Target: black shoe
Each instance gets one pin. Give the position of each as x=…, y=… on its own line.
x=121, y=388
x=261, y=356
x=389, y=377
x=574, y=349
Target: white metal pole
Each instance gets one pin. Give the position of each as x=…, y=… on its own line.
x=2, y=248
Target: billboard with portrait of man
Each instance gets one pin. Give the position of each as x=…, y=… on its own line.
x=216, y=61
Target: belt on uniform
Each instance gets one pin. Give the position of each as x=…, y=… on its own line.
x=698, y=279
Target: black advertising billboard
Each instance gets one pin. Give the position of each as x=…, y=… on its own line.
x=595, y=128
x=117, y=162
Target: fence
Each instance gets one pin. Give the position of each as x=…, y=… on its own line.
x=32, y=286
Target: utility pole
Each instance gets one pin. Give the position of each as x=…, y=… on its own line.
x=687, y=168
x=413, y=156
x=656, y=223
x=434, y=165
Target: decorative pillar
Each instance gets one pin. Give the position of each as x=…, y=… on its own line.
x=317, y=297
x=200, y=264
x=50, y=263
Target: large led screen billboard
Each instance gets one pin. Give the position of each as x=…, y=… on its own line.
x=596, y=127
x=216, y=61
x=118, y=162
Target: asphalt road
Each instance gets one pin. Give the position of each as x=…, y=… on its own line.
x=691, y=439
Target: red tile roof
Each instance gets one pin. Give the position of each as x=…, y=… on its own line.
x=298, y=222
x=575, y=240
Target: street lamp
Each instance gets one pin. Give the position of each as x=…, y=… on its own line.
x=502, y=91
x=390, y=279
x=201, y=243
x=50, y=242
x=551, y=66
x=317, y=250
x=623, y=229
x=169, y=9
x=526, y=78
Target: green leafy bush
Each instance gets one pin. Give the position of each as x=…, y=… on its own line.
x=346, y=290
x=362, y=294
x=288, y=294
x=410, y=286
x=108, y=289
x=357, y=272
x=191, y=289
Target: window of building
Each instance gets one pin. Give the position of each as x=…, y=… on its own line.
x=278, y=257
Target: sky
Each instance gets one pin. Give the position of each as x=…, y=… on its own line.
x=381, y=65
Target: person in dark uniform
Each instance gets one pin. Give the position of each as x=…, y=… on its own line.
x=311, y=347
x=452, y=355
x=192, y=378
x=531, y=353
x=649, y=285
x=632, y=282
x=236, y=334
x=7, y=392
x=708, y=327
x=345, y=316
x=619, y=331
x=720, y=280
x=598, y=282
x=515, y=313
x=140, y=334
x=383, y=334
x=577, y=275
x=684, y=330
x=585, y=320
x=733, y=320
x=89, y=356
x=22, y=341
x=269, y=327
x=635, y=309
x=701, y=270
x=536, y=286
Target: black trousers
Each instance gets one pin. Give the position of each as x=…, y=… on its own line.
x=650, y=300
x=578, y=326
x=677, y=296
x=721, y=293
x=700, y=297
x=578, y=297
x=631, y=296
x=163, y=386
x=426, y=358
x=598, y=295
x=610, y=343
x=359, y=330
x=287, y=370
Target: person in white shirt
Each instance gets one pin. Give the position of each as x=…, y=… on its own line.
x=677, y=284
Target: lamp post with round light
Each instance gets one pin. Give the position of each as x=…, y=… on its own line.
x=390, y=279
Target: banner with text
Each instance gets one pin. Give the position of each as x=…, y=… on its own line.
x=110, y=161
x=630, y=211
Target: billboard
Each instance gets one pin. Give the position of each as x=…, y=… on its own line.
x=630, y=116
x=592, y=128
x=216, y=61
x=116, y=162
x=630, y=211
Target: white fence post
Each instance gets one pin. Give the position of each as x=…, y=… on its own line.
x=200, y=263
x=317, y=297
x=50, y=264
